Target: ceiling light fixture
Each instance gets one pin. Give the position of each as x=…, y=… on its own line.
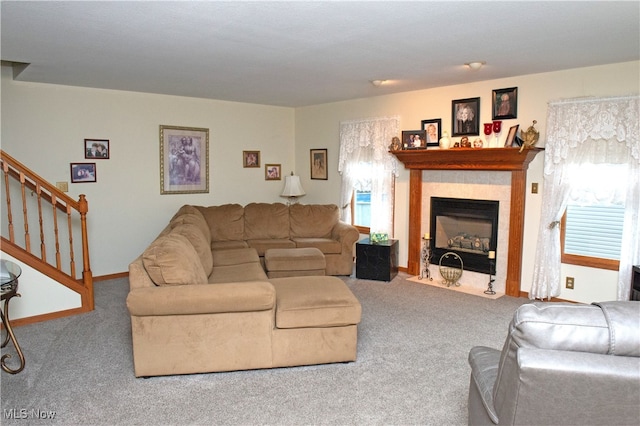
x=378, y=83
x=475, y=65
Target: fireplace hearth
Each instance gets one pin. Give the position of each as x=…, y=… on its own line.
x=466, y=227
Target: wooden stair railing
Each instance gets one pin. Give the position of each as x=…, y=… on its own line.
x=56, y=243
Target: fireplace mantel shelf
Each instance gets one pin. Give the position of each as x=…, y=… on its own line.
x=506, y=159
x=498, y=159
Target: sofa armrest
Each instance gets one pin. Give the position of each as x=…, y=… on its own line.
x=202, y=299
x=346, y=234
x=484, y=364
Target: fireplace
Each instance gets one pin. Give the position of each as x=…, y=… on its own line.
x=469, y=159
x=466, y=227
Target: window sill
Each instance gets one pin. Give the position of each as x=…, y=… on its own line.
x=591, y=262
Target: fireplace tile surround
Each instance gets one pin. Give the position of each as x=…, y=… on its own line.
x=474, y=160
x=475, y=185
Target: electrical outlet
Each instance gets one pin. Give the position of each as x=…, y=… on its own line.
x=569, y=283
x=63, y=186
x=534, y=188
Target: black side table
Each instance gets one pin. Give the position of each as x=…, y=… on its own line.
x=9, y=273
x=635, y=283
x=377, y=261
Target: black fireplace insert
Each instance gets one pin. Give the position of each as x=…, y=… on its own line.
x=466, y=227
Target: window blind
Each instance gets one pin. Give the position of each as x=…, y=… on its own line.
x=594, y=231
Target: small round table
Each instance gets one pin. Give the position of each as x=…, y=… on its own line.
x=9, y=273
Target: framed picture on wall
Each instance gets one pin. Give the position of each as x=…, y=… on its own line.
x=434, y=131
x=318, y=158
x=83, y=172
x=184, y=160
x=96, y=149
x=272, y=172
x=465, y=117
x=250, y=158
x=504, y=103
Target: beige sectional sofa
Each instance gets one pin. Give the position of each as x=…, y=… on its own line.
x=263, y=226
x=200, y=300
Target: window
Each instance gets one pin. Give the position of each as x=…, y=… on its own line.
x=591, y=232
x=366, y=166
x=361, y=198
x=591, y=235
x=361, y=207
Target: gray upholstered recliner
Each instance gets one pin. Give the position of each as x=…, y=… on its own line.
x=561, y=363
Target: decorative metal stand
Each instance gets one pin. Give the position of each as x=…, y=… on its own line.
x=425, y=255
x=451, y=274
x=9, y=273
x=492, y=267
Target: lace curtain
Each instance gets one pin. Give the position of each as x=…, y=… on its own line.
x=364, y=159
x=580, y=133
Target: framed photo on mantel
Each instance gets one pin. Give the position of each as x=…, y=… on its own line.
x=434, y=131
x=414, y=139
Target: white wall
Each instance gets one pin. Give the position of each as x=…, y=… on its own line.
x=39, y=294
x=44, y=127
x=318, y=127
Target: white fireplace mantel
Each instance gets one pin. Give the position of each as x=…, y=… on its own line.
x=496, y=159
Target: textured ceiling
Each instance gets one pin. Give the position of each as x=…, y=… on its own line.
x=304, y=53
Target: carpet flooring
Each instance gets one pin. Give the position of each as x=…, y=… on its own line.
x=412, y=368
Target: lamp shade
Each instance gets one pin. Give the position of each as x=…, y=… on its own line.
x=292, y=187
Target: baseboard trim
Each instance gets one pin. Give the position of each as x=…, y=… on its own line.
x=111, y=276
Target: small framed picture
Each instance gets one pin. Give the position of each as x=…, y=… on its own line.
x=272, y=172
x=513, y=130
x=96, y=149
x=184, y=160
x=505, y=103
x=414, y=139
x=83, y=172
x=434, y=131
x=318, y=159
x=250, y=158
x=465, y=117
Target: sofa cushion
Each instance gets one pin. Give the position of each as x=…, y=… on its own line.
x=237, y=273
x=198, y=241
x=263, y=245
x=192, y=219
x=172, y=260
x=313, y=301
x=228, y=245
x=226, y=222
x=187, y=209
x=266, y=221
x=235, y=257
x=298, y=259
x=313, y=220
x=325, y=245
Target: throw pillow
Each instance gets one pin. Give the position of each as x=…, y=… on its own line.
x=198, y=241
x=172, y=260
x=192, y=219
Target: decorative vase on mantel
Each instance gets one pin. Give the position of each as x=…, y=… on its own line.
x=445, y=142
